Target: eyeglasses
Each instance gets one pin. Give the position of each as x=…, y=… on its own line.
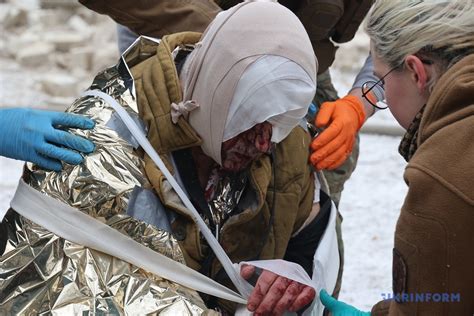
x=374, y=93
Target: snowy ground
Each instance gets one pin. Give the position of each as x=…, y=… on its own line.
x=370, y=203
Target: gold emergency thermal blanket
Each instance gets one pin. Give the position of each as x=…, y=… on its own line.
x=41, y=273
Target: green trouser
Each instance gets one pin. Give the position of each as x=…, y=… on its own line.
x=336, y=178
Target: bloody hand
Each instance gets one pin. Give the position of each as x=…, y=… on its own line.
x=274, y=294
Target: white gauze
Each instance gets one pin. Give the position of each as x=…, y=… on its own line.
x=273, y=89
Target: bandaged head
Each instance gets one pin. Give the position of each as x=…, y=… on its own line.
x=254, y=63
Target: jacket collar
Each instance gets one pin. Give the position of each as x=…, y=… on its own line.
x=451, y=99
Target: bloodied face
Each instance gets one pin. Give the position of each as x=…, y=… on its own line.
x=239, y=151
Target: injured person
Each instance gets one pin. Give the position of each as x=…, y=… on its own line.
x=223, y=112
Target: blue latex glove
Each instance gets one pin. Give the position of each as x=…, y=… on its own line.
x=339, y=308
x=33, y=135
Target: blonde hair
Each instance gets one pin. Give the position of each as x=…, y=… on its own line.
x=441, y=31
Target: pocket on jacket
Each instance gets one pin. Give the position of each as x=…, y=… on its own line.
x=404, y=255
x=419, y=260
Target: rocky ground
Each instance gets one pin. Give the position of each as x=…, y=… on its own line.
x=50, y=50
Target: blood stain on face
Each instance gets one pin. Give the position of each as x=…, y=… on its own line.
x=239, y=151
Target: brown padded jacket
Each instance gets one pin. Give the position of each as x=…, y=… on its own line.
x=325, y=21
x=433, y=258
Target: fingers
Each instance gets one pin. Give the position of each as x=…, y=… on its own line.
x=337, y=161
x=329, y=134
x=304, y=298
x=71, y=120
x=327, y=300
x=334, y=160
x=264, y=283
x=341, y=159
x=335, y=150
x=47, y=163
x=247, y=271
x=70, y=141
x=325, y=113
x=61, y=154
x=274, y=294
x=327, y=147
x=287, y=300
x=320, y=154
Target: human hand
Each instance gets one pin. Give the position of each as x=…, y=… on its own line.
x=274, y=294
x=343, y=118
x=33, y=135
x=338, y=308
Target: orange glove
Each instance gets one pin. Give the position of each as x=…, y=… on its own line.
x=343, y=118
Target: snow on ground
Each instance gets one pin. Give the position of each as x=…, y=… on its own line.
x=370, y=206
x=370, y=203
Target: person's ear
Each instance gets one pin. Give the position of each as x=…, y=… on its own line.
x=417, y=70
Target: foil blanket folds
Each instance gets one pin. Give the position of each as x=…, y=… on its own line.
x=42, y=273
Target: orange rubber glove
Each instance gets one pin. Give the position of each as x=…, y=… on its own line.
x=343, y=118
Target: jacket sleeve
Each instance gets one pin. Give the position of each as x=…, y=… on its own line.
x=381, y=308
x=157, y=18
x=432, y=256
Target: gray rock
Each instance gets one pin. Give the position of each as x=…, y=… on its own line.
x=59, y=84
x=11, y=17
x=104, y=57
x=78, y=58
x=52, y=4
x=78, y=24
x=35, y=55
x=64, y=40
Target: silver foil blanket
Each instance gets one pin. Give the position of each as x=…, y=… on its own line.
x=41, y=273
x=226, y=195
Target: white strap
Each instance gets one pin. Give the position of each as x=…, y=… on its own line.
x=242, y=286
x=73, y=225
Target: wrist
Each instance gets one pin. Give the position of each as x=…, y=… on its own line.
x=356, y=103
x=369, y=109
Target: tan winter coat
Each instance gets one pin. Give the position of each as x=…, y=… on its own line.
x=434, y=238
x=327, y=22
